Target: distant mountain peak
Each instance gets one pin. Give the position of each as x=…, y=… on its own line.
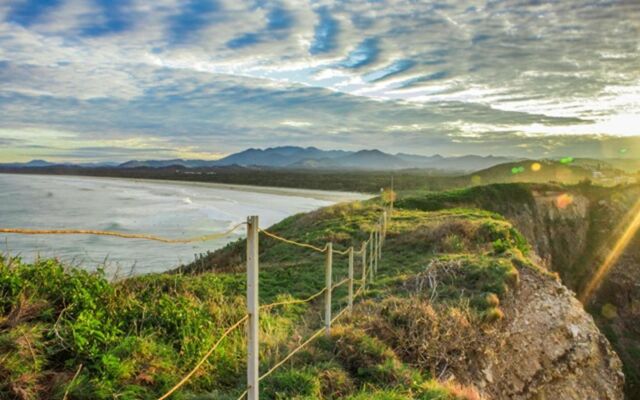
x=309, y=157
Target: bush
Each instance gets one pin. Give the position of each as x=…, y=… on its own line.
x=366, y=358
x=423, y=334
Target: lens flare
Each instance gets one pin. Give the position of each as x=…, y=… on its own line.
x=613, y=256
x=564, y=200
x=535, y=167
x=566, y=160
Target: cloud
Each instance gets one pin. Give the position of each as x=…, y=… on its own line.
x=296, y=124
x=395, y=68
x=225, y=74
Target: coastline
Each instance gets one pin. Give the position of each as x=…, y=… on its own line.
x=317, y=194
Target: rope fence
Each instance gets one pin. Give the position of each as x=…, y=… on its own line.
x=122, y=235
x=370, y=252
x=293, y=242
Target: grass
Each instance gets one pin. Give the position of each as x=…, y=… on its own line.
x=137, y=337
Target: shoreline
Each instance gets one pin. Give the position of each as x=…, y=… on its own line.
x=316, y=194
x=276, y=204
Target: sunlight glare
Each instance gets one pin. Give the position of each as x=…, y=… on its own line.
x=615, y=253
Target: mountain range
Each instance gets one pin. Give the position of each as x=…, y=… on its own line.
x=306, y=158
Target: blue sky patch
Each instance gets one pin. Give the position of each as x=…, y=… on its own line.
x=30, y=11
x=247, y=39
x=114, y=19
x=366, y=53
x=325, y=33
x=194, y=16
x=279, y=19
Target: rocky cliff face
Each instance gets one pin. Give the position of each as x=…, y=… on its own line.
x=547, y=347
x=571, y=232
x=556, y=224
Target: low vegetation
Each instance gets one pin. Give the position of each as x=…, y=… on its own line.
x=442, y=279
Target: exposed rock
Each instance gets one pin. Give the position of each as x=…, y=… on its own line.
x=547, y=347
x=574, y=241
x=556, y=225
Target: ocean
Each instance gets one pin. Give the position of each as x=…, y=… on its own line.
x=163, y=208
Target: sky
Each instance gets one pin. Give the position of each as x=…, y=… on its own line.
x=98, y=80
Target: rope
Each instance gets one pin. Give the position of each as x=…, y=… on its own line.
x=360, y=289
x=286, y=302
x=206, y=356
x=343, y=252
x=305, y=245
x=299, y=301
x=306, y=342
x=342, y=282
x=300, y=347
x=117, y=234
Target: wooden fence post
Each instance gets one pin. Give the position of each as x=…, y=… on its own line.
x=384, y=225
x=376, y=244
x=371, y=256
x=327, y=293
x=380, y=239
x=252, y=308
x=350, y=278
x=364, y=264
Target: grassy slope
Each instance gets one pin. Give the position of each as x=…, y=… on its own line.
x=137, y=337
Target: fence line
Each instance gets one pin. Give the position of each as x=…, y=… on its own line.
x=288, y=302
x=369, y=261
x=311, y=338
x=293, y=242
x=204, y=238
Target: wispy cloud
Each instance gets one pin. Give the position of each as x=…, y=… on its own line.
x=219, y=75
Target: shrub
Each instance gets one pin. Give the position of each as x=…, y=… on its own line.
x=334, y=381
x=423, y=334
x=366, y=358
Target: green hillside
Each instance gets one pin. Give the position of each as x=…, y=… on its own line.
x=136, y=338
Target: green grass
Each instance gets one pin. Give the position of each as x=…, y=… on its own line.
x=137, y=337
